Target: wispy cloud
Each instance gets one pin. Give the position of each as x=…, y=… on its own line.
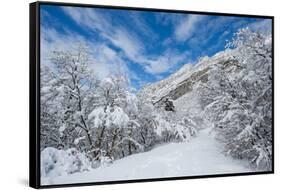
x=117, y=35
x=87, y=17
x=165, y=62
x=52, y=40
x=187, y=27
x=130, y=44
x=141, y=24
x=167, y=19
x=104, y=60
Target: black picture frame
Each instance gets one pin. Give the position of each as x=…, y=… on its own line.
x=34, y=93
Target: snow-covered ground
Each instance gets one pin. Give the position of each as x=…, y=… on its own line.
x=201, y=156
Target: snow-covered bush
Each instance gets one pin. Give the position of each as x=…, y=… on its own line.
x=56, y=162
x=110, y=117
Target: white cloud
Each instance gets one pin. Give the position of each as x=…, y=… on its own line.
x=141, y=25
x=128, y=42
x=165, y=62
x=125, y=41
x=186, y=27
x=117, y=35
x=88, y=18
x=52, y=40
x=105, y=61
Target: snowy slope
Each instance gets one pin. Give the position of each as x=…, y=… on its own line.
x=186, y=73
x=184, y=86
x=201, y=156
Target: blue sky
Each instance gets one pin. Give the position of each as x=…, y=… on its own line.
x=143, y=46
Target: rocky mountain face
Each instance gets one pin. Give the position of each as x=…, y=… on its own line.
x=191, y=76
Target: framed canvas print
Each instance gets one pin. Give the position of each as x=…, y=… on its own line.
x=121, y=94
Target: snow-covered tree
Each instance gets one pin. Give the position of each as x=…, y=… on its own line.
x=73, y=85
x=237, y=98
x=114, y=118
x=50, y=100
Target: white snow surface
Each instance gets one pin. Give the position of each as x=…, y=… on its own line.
x=201, y=156
x=56, y=162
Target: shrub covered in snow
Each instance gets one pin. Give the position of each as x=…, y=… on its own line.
x=110, y=117
x=56, y=162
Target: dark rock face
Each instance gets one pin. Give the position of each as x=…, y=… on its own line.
x=230, y=65
x=182, y=88
x=169, y=105
x=186, y=85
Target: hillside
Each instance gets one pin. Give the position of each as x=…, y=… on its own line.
x=189, y=77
